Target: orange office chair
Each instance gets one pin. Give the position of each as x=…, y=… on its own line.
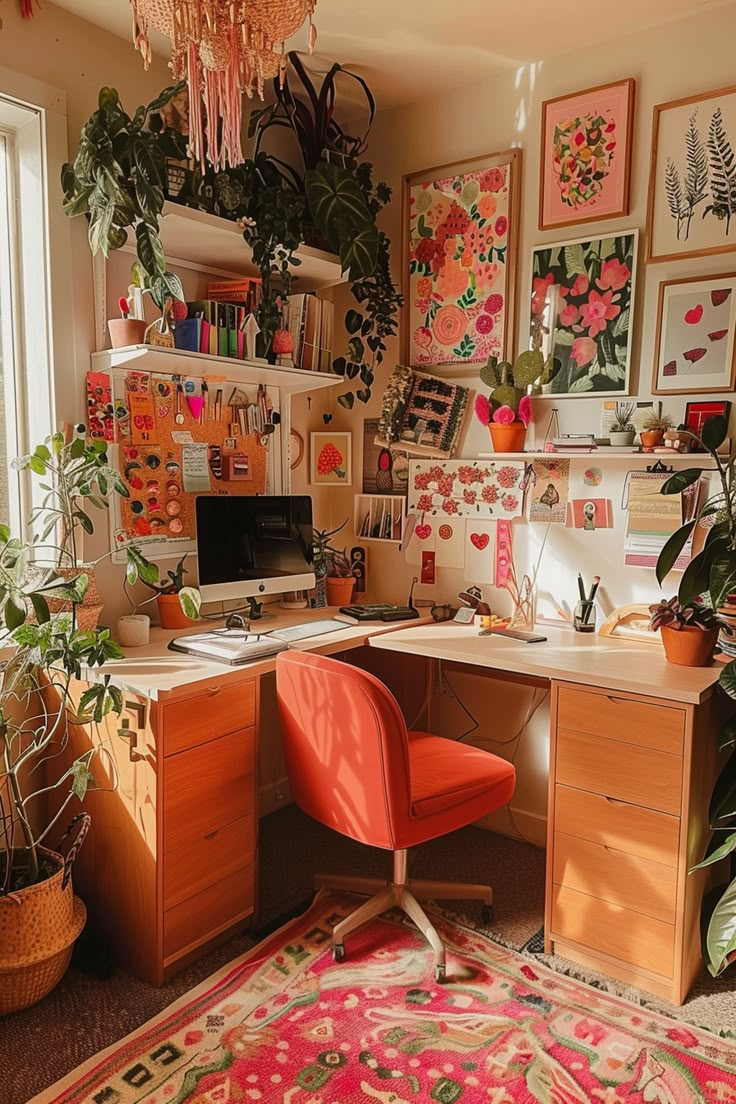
x=353, y=766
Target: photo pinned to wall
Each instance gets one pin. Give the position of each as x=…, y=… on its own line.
x=692, y=181
x=480, y=551
x=696, y=326
x=331, y=458
x=585, y=163
x=385, y=468
x=456, y=488
x=590, y=514
x=460, y=240
x=550, y=491
x=580, y=313
x=697, y=414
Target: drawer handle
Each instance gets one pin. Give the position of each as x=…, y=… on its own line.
x=615, y=801
x=214, y=690
x=617, y=701
x=211, y=835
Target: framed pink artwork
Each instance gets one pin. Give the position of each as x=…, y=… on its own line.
x=460, y=235
x=585, y=161
x=695, y=342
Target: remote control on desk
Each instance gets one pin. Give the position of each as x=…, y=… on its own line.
x=514, y=634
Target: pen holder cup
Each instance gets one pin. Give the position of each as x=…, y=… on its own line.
x=583, y=618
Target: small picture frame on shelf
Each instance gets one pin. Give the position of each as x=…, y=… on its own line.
x=331, y=458
x=697, y=414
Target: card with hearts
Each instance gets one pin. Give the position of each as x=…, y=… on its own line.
x=423, y=539
x=466, y=488
x=695, y=336
x=480, y=551
x=450, y=543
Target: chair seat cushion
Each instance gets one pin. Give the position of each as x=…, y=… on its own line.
x=445, y=774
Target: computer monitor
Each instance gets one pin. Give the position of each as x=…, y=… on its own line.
x=252, y=545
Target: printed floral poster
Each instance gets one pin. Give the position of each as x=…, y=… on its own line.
x=581, y=311
x=466, y=489
x=550, y=491
x=462, y=241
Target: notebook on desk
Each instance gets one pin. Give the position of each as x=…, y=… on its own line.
x=229, y=645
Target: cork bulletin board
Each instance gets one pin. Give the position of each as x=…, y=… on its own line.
x=181, y=436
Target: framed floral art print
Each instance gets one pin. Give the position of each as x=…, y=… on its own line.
x=696, y=325
x=692, y=181
x=580, y=313
x=585, y=162
x=460, y=233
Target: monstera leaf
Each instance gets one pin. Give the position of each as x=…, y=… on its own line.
x=342, y=214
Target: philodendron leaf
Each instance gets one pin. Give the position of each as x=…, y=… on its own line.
x=719, y=853
x=150, y=250
x=680, y=480
x=359, y=252
x=727, y=735
x=714, y=431
x=722, y=578
x=695, y=579
x=353, y=321
x=672, y=549
x=341, y=212
x=190, y=601
x=347, y=400
x=720, y=940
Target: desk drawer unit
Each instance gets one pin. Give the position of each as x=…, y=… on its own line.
x=618, y=895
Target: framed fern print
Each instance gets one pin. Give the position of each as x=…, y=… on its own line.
x=692, y=182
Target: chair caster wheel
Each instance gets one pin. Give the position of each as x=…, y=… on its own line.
x=338, y=952
x=440, y=974
x=487, y=914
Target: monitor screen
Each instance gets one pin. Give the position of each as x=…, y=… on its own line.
x=253, y=545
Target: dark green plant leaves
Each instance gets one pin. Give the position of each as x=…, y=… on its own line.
x=149, y=249
x=723, y=800
x=720, y=940
x=15, y=615
x=680, y=480
x=722, y=578
x=695, y=579
x=353, y=321
x=341, y=213
x=672, y=549
x=714, y=431
x=347, y=400
x=718, y=854
x=727, y=735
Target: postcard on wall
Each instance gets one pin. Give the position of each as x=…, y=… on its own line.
x=331, y=458
x=550, y=491
x=480, y=551
x=695, y=350
x=457, y=488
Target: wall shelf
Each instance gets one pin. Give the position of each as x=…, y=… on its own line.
x=693, y=458
x=200, y=240
x=154, y=358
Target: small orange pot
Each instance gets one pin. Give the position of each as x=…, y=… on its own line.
x=126, y=331
x=690, y=646
x=652, y=438
x=339, y=590
x=171, y=614
x=507, y=438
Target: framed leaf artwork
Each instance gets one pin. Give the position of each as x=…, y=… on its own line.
x=692, y=181
x=581, y=308
x=696, y=320
x=460, y=234
x=585, y=162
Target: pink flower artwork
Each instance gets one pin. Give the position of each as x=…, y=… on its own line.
x=465, y=489
x=597, y=311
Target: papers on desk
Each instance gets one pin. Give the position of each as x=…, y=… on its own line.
x=229, y=645
x=654, y=517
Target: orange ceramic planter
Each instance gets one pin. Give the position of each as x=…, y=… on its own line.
x=339, y=590
x=689, y=647
x=507, y=438
x=126, y=331
x=171, y=614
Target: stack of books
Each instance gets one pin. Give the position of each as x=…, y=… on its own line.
x=311, y=323
x=726, y=641
x=216, y=325
x=582, y=442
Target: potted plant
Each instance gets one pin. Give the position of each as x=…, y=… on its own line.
x=654, y=428
x=333, y=566
x=178, y=606
x=622, y=431
x=507, y=411
x=689, y=632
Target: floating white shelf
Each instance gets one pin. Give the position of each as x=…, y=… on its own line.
x=204, y=241
x=153, y=358
x=693, y=458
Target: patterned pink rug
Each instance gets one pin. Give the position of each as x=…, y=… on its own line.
x=285, y=1024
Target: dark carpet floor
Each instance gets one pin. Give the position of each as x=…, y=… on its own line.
x=87, y=1012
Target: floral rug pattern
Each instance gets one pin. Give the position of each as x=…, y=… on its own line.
x=285, y=1024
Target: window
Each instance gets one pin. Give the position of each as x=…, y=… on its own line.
x=9, y=404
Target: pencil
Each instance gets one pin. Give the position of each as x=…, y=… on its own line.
x=581, y=588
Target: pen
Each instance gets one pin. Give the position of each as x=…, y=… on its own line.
x=589, y=601
x=205, y=413
x=581, y=588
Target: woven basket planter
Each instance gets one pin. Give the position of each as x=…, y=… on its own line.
x=88, y=611
x=38, y=927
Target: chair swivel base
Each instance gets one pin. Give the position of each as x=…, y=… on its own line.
x=402, y=893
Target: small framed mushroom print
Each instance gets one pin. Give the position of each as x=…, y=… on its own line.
x=330, y=455
x=696, y=321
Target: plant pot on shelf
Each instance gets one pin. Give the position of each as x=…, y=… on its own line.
x=126, y=331
x=623, y=437
x=38, y=927
x=651, y=438
x=171, y=614
x=507, y=438
x=133, y=630
x=339, y=590
x=689, y=646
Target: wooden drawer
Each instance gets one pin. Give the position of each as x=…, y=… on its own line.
x=617, y=718
x=209, y=912
x=215, y=712
x=619, y=770
x=630, y=828
x=612, y=930
x=207, y=787
x=192, y=868
x=626, y=880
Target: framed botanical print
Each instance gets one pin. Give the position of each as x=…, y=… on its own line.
x=460, y=234
x=585, y=162
x=692, y=181
x=581, y=308
x=331, y=456
x=696, y=323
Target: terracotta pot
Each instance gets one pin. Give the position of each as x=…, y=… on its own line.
x=651, y=438
x=690, y=646
x=171, y=614
x=126, y=331
x=507, y=438
x=339, y=590
x=38, y=927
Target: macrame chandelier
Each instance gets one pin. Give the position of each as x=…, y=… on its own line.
x=222, y=48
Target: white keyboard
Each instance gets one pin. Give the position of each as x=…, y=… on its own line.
x=308, y=629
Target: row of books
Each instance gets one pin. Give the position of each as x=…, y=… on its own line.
x=216, y=325
x=311, y=323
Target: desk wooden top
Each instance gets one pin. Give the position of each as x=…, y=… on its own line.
x=567, y=656
x=155, y=672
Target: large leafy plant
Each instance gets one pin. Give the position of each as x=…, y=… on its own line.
x=711, y=577
x=117, y=179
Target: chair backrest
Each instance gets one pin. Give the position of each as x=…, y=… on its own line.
x=346, y=747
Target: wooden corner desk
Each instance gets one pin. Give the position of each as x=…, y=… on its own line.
x=170, y=868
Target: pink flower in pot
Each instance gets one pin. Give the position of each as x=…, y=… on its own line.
x=504, y=415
